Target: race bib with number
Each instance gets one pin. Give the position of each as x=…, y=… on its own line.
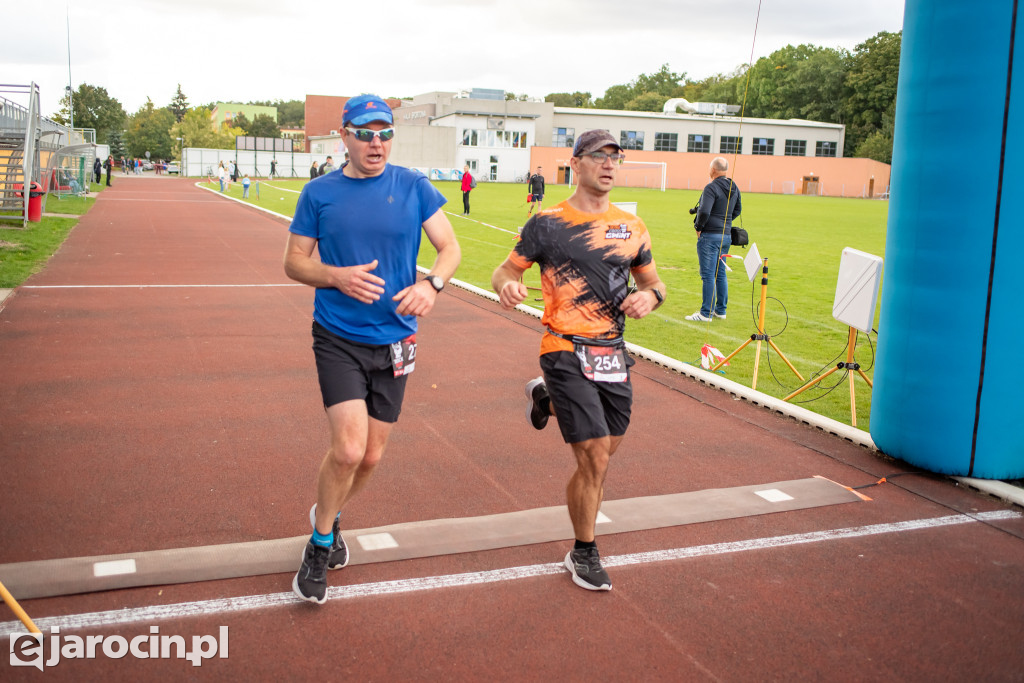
x=602, y=363
x=403, y=356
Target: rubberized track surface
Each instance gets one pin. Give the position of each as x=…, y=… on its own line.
x=159, y=392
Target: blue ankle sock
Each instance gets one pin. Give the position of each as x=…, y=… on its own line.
x=323, y=540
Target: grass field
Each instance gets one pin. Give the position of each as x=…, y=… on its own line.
x=802, y=238
x=25, y=251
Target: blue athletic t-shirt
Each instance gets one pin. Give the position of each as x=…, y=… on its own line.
x=357, y=220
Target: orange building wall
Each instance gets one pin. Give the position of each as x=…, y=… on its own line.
x=838, y=177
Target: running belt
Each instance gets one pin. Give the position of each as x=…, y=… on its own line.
x=589, y=341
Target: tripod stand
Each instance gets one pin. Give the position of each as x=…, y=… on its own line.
x=848, y=365
x=760, y=336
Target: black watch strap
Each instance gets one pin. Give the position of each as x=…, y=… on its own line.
x=436, y=282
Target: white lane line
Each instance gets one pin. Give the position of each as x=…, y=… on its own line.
x=271, y=284
x=283, y=189
x=472, y=220
x=252, y=602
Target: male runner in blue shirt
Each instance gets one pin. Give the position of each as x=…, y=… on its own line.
x=366, y=223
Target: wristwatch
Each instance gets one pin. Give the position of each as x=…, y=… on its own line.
x=436, y=282
x=658, y=295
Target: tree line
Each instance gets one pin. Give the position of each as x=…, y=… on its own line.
x=163, y=131
x=855, y=88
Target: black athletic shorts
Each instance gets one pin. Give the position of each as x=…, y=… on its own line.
x=585, y=409
x=538, y=196
x=350, y=370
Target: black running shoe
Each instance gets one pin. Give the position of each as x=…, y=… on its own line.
x=339, y=550
x=538, y=409
x=310, y=582
x=585, y=566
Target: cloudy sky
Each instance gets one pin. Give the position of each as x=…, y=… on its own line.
x=242, y=50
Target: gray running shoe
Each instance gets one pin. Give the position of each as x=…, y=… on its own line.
x=585, y=566
x=339, y=550
x=310, y=582
x=537, y=410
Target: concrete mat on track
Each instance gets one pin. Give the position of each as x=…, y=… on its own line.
x=47, y=578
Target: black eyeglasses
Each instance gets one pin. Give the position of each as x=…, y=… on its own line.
x=599, y=157
x=367, y=135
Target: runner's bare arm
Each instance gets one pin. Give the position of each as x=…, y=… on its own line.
x=643, y=301
x=419, y=298
x=506, y=281
x=357, y=282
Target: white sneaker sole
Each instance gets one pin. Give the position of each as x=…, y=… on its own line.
x=570, y=565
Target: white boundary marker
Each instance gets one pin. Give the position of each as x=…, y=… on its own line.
x=148, y=615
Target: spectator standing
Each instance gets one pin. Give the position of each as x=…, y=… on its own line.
x=468, y=183
x=719, y=205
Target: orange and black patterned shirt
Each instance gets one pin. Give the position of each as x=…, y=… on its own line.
x=585, y=260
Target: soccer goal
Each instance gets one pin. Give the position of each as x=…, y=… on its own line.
x=650, y=174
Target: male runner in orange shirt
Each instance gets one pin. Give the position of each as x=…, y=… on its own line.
x=586, y=249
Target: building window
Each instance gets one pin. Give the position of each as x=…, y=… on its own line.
x=563, y=137
x=631, y=139
x=763, y=146
x=470, y=138
x=825, y=149
x=494, y=168
x=666, y=142
x=730, y=145
x=698, y=143
x=796, y=148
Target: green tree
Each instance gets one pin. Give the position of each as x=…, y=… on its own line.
x=117, y=147
x=196, y=129
x=264, y=126
x=664, y=82
x=242, y=121
x=149, y=131
x=615, y=97
x=649, y=101
x=179, y=105
x=579, y=100
x=93, y=108
x=872, y=80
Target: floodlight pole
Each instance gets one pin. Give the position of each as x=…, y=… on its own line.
x=850, y=364
x=760, y=336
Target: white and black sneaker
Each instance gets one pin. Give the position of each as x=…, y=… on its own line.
x=585, y=566
x=310, y=582
x=538, y=410
x=339, y=550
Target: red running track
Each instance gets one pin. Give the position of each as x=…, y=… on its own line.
x=159, y=392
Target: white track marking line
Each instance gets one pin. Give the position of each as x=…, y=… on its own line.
x=283, y=189
x=245, y=603
x=473, y=220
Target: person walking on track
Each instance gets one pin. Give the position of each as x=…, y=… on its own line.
x=586, y=249
x=365, y=223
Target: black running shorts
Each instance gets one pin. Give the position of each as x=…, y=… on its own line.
x=349, y=370
x=585, y=409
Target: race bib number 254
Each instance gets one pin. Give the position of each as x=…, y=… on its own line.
x=602, y=363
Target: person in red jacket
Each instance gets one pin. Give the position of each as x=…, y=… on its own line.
x=467, y=185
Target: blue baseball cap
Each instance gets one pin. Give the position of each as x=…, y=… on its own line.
x=363, y=109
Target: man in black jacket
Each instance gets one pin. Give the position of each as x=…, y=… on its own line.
x=536, y=191
x=719, y=205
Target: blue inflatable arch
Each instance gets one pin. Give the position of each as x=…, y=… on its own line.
x=949, y=381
